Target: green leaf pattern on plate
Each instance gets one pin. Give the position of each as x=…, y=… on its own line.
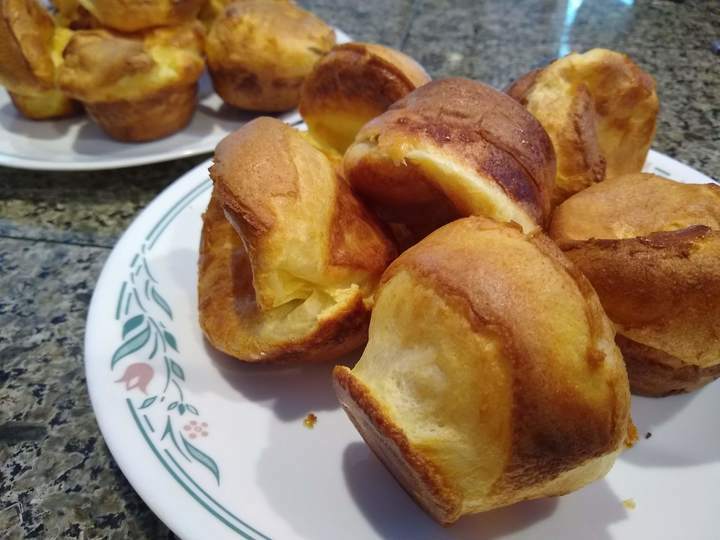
x=145, y=333
x=202, y=457
x=131, y=345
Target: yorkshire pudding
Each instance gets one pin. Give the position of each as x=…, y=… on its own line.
x=491, y=374
x=212, y=9
x=70, y=14
x=289, y=258
x=30, y=50
x=352, y=84
x=453, y=148
x=134, y=15
x=260, y=52
x=599, y=109
x=136, y=87
x=651, y=249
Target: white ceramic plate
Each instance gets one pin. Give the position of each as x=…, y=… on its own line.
x=219, y=450
x=78, y=144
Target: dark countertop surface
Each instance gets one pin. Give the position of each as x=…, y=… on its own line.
x=57, y=477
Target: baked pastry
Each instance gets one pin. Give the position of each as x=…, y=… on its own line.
x=289, y=258
x=214, y=8
x=651, y=249
x=453, y=148
x=70, y=14
x=137, y=87
x=135, y=15
x=353, y=84
x=30, y=50
x=260, y=52
x=599, y=109
x=491, y=375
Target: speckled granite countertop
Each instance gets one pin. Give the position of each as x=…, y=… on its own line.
x=57, y=477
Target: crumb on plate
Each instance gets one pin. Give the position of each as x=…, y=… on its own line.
x=310, y=421
x=632, y=436
x=629, y=504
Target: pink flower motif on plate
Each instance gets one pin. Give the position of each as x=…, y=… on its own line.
x=137, y=375
x=196, y=429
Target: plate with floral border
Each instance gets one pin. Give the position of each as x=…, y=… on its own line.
x=221, y=450
x=77, y=144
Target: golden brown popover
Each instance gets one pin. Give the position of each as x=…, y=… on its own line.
x=491, y=375
x=453, y=148
x=599, y=109
x=651, y=249
x=212, y=9
x=260, y=52
x=70, y=14
x=137, y=87
x=135, y=15
x=289, y=258
x=352, y=84
x=30, y=50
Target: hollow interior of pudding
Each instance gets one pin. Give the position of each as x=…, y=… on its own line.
x=338, y=128
x=295, y=319
x=447, y=386
x=470, y=192
x=228, y=309
x=416, y=187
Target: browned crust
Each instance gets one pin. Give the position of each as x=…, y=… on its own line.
x=520, y=88
x=25, y=38
x=256, y=92
x=635, y=205
x=655, y=373
x=135, y=15
x=552, y=431
x=469, y=123
x=651, y=279
x=360, y=75
x=664, y=287
x=416, y=475
x=356, y=238
x=155, y=116
x=618, y=92
x=98, y=64
x=76, y=18
x=260, y=52
x=584, y=159
x=351, y=220
x=228, y=313
x=27, y=106
x=661, y=289
x=237, y=156
x=254, y=168
x=581, y=160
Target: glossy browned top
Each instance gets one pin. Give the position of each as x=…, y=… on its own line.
x=99, y=65
x=635, y=205
x=599, y=109
x=563, y=413
x=26, y=33
x=134, y=15
x=474, y=124
x=651, y=249
x=364, y=75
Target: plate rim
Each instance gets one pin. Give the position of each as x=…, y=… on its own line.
x=7, y=160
